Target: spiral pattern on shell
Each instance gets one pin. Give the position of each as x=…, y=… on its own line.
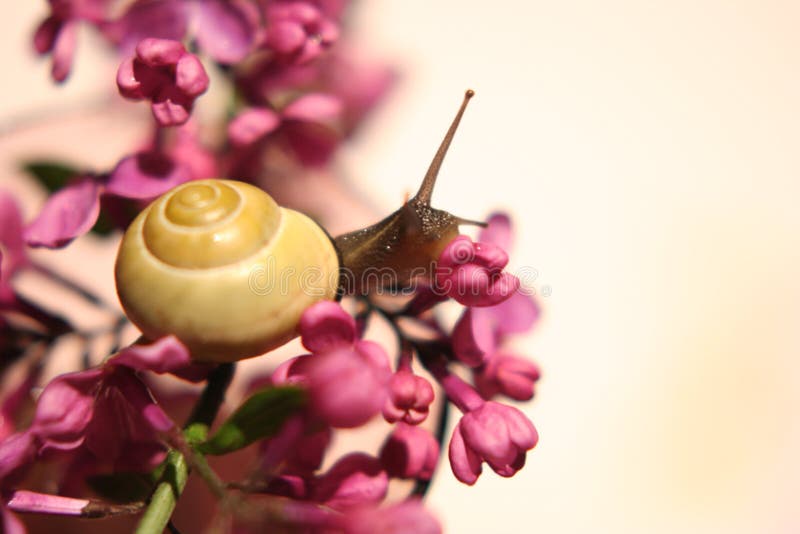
x=221, y=266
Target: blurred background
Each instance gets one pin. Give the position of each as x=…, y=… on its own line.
x=649, y=153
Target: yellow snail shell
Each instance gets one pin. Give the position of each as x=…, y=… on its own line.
x=221, y=266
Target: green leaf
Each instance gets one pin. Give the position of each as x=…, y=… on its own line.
x=53, y=175
x=260, y=416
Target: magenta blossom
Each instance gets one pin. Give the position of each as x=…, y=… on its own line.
x=409, y=400
x=410, y=452
x=163, y=72
x=105, y=411
x=355, y=480
x=472, y=273
x=494, y=433
x=479, y=334
x=507, y=374
x=57, y=34
x=226, y=30
x=489, y=431
x=346, y=377
x=298, y=31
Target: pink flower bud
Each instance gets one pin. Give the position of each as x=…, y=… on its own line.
x=325, y=326
x=29, y=501
x=494, y=433
x=507, y=374
x=472, y=273
x=410, y=452
x=348, y=386
x=299, y=30
x=409, y=398
x=355, y=480
x=166, y=74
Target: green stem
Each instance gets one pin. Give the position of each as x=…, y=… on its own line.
x=171, y=484
x=165, y=496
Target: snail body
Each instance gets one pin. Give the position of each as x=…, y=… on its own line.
x=219, y=265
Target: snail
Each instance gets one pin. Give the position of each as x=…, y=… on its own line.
x=221, y=266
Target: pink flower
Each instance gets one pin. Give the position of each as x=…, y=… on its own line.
x=490, y=432
x=161, y=19
x=163, y=72
x=355, y=480
x=507, y=374
x=494, y=433
x=299, y=447
x=406, y=516
x=226, y=30
x=307, y=127
x=108, y=410
x=479, y=332
x=105, y=411
x=409, y=400
x=410, y=452
x=346, y=377
x=472, y=273
x=58, y=32
x=298, y=30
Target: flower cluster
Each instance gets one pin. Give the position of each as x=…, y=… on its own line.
x=120, y=434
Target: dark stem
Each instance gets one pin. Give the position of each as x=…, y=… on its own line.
x=421, y=487
x=212, y=397
x=84, y=292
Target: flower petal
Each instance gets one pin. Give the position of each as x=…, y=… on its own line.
x=67, y=214
x=64, y=50
x=145, y=175
x=164, y=356
x=252, y=124
x=325, y=326
x=225, y=30
x=466, y=465
x=498, y=231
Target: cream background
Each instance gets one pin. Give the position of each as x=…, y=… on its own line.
x=649, y=150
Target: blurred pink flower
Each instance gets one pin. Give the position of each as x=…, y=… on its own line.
x=346, y=377
x=57, y=34
x=163, y=72
x=354, y=480
x=298, y=31
x=307, y=127
x=410, y=452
